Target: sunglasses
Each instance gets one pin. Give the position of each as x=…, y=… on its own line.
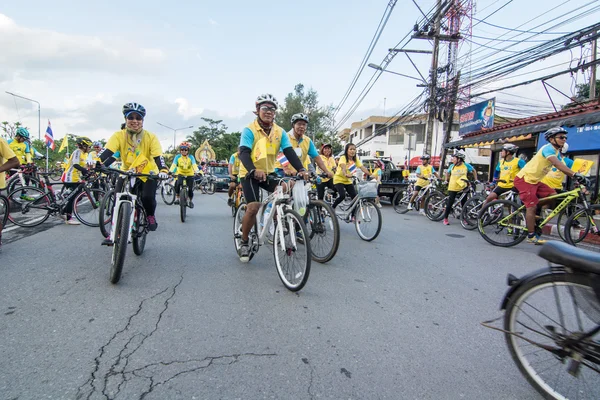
x=134, y=118
x=268, y=109
x=562, y=137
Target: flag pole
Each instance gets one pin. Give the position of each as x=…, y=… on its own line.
x=47, y=157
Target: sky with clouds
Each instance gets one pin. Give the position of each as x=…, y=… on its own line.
x=190, y=59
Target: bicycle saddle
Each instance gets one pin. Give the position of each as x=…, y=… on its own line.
x=576, y=258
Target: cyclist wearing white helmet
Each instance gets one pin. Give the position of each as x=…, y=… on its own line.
x=260, y=143
x=458, y=172
x=303, y=146
x=424, y=172
x=505, y=171
x=138, y=147
x=529, y=180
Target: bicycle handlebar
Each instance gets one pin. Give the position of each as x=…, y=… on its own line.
x=127, y=173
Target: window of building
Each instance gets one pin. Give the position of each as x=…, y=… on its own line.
x=397, y=133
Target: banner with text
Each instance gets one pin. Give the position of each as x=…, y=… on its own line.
x=477, y=117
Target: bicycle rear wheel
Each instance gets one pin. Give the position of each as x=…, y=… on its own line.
x=167, y=192
x=29, y=213
x=324, y=231
x=140, y=230
x=435, y=205
x=183, y=203
x=501, y=223
x=400, y=201
x=120, y=244
x=291, y=249
x=210, y=187
x=86, y=207
x=470, y=212
x=105, y=212
x=553, y=312
x=367, y=220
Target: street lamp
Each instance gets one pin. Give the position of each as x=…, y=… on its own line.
x=175, y=131
x=34, y=101
x=379, y=68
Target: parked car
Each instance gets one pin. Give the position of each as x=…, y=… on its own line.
x=221, y=172
x=391, y=177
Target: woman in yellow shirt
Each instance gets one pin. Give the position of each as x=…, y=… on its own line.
x=327, y=157
x=342, y=180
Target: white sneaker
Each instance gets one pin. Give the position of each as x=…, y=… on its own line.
x=422, y=212
x=379, y=205
x=410, y=207
x=73, y=221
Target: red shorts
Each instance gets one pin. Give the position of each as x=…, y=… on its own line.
x=530, y=193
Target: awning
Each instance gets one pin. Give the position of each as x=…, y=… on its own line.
x=522, y=132
x=416, y=161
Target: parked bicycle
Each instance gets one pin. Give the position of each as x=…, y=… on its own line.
x=43, y=202
x=26, y=175
x=552, y=323
x=362, y=211
x=435, y=202
x=401, y=199
x=290, y=238
x=123, y=219
x=207, y=184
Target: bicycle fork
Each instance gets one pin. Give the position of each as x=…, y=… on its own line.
x=127, y=198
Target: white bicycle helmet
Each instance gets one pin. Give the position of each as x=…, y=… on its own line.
x=460, y=154
x=267, y=98
x=299, y=117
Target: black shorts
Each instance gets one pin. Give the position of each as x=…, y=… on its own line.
x=418, y=188
x=500, y=190
x=234, y=180
x=251, y=188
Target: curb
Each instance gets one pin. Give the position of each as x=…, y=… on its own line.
x=552, y=230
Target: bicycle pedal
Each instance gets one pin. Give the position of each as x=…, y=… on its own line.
x=107, y=242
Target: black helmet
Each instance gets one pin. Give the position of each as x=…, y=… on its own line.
x=425, y=157
x=83, y=141
x=553, y=132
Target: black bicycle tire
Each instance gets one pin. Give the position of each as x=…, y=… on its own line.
x=398, y=196
x=426, y=204
x=489, y=240
x=44, y=195
x=568, y=238
x=138, y=239
x=242, y=206
x=312, y=206
x=76, y=201
x=308, y=256
x=6, y=206
x=102, y=212
x=11, y=186
x=379, y=225
x=163, y=194
x=183, y=203
x=120, y=244
x=469, y=226
x=574, y=278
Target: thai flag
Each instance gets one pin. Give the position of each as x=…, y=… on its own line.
x=352, y=168
x=283, y=159
x=50, y=137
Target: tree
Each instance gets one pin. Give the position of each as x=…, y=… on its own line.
x=320, y=125
x=211, y=132
x=9, y=129
x=583, y=91
x=226, y=145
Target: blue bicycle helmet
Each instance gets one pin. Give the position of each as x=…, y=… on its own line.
x=23, y=132
x=134, y=107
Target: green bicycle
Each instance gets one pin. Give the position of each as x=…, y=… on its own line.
x=502, y=222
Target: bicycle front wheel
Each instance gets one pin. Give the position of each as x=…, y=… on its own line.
x=544, y=321
x=86, y=207
x=435, y=205
x=31, y=209
x=470, y=212
x=367, y=220
x=400, y=201
x=120, y=244
x=105, y=212
x=4, y=210
x=210, y=188
x=183, y=203
x=324, y=231
x=291, y=248
x=580, y=224
x=167, y=192
x=502, y=223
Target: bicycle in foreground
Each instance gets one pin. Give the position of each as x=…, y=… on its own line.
x=290, y=238
x=552, y=323
x=43, y=201
x=502, y=222
x=123, y=219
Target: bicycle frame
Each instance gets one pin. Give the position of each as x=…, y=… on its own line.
x=120, y=198
x=280, y=203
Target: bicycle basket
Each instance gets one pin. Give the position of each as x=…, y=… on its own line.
x=300, y=195
x=367, y=189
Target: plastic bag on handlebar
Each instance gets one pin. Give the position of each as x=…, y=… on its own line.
x=300, y=195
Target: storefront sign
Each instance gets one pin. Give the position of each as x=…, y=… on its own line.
x=580, y=138
x=477, y=117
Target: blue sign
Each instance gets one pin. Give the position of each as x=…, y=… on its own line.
x=477, y=117
x=580, y=138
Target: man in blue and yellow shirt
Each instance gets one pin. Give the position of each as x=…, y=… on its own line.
x=529, y=180
x=260, y=143
x=505, y=172
x=185, y=167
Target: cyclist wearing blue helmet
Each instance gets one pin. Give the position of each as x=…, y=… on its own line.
x=138, y=147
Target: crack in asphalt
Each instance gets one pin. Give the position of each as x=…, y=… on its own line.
x=312, y=374
x=111, y=374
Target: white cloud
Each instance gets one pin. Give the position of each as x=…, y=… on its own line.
x=213, y=22
x=186, y=110
x=27, y=49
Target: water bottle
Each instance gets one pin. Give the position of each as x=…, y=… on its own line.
x=267, y=213
x=319, y=180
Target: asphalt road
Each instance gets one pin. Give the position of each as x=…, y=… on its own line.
x=396, y=318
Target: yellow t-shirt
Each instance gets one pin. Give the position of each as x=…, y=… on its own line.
x=555, y=177
x=426, y=171
x=184, y=165
x=6, y=153
x=71, y=174
x=234, y=160
x=93, y=157
x=329, y=163
x=458, y=176
x=351, y=166
x=535, y=170
x=136, y=153
x=264, y=147
x=508, y=171
x=21, y=150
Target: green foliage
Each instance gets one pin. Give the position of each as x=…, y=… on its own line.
x=583, y=91
x=320, y=118
x=9, y=129
x=223, y=143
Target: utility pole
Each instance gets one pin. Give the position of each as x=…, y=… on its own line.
x=593, y=74
x=450, y=118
